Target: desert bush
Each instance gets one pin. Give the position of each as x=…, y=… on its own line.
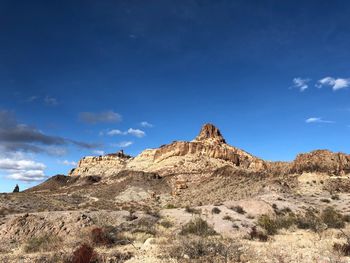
x=346, y=218
x=227, y=218
x=204, y=250
x=41, y=244
x=332, y=218
x=215, y=210
x=335, y=197
x=325, y=200
x=272, y=225
x=198, y=227
x=100, y=237
x=193, y=210
x=154, y=213
x=309, y=221
x=238, y=209
x=170, y=206
x=166, y=223
x=343, y=248
x=256, y=234
x=84, y=254
x=145, y=225
x=269, y=224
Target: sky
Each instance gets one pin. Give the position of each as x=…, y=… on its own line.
x=89, y=77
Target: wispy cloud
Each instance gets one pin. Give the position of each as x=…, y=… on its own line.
x=123, y=144
x=68, y=163
x=317, y=120
x=100, y=117
x=134, y=132
x=335, y=83
x=146, y=124
x=300, y=83
x=23, y=170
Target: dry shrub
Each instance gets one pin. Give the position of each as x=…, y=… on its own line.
x=257, y=234
x=238, y=209
x=310, y=221
x=198, y=227
x=84, y=254
x=204, y=250
x=332, y=218
x=166, y=223
x=100, y=237
x=215, y=210
x=344, y=248
x=193, y=210
x=42, y=243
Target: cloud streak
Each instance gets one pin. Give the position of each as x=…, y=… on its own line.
x=146, y=124
x=100, y=117
x=134, y=132
x=317, y=120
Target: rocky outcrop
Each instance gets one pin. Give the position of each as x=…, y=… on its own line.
x=322, y=161
x=211, y=133
x=206, y=153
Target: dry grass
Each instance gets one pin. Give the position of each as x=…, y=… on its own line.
x=198, y=227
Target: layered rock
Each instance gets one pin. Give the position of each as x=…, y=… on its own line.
x=206, y=153
x=322, y=161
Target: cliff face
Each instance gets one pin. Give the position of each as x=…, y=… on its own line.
x=193, y=160
x=207, y=152
x=322, y=161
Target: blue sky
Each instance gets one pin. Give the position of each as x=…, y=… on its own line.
x=79, y=77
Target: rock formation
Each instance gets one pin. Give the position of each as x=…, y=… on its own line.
x=197, y=159
x=206, y=153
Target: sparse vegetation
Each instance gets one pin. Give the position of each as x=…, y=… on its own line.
x=42, y=243
x=100, y=237
x=84, y=254
x=238, y=209
x=198, y=227
x=205, y=250
x=166, y=223
x=256, y=234
x=325, y=200
x=227, y=217
x=332, y=218
x=215, y=210
x=193, y=210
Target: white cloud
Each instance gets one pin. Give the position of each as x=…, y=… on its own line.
x=23, y=170
x=98, y=152
x=336, y=84
x=28, y=176
x=134, y=132
x=300, y=84
x=123, y=144
x=146, y=124
x=317, y=120
x=115, y=132
x=68, y=163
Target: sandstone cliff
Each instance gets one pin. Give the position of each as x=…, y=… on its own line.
x=206, y=153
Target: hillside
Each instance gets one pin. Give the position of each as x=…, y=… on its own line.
x=188, y=201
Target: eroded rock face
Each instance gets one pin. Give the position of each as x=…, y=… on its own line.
x=210, y=132
x=322, y=161
x=207, y=152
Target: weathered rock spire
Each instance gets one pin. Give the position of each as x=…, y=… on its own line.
x=210, y=132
